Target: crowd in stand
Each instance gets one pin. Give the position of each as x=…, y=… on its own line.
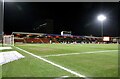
x=64, y=40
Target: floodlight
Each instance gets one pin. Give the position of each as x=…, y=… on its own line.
x=101, y=17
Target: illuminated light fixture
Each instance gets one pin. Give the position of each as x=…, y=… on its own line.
x=101, y=17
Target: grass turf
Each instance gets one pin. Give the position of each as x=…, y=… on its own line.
x=91, y=65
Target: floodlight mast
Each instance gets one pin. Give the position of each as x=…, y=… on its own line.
x=101, y=18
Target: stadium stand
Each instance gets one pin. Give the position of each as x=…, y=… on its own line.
x=55, y=38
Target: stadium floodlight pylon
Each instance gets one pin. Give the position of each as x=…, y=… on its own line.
x=8, y=40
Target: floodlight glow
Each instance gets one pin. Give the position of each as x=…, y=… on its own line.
x=101, y=17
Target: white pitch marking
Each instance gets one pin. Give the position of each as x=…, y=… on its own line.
x=9, y=56
x=3, y=48
x=52, y=63
x=79, y=53
x=62, y=77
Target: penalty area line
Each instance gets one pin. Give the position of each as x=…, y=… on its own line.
x=67, y=54
x=54, y=64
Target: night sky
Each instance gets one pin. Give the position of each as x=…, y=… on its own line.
x=78, y=17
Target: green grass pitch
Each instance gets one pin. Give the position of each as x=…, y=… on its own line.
x=97, y=64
